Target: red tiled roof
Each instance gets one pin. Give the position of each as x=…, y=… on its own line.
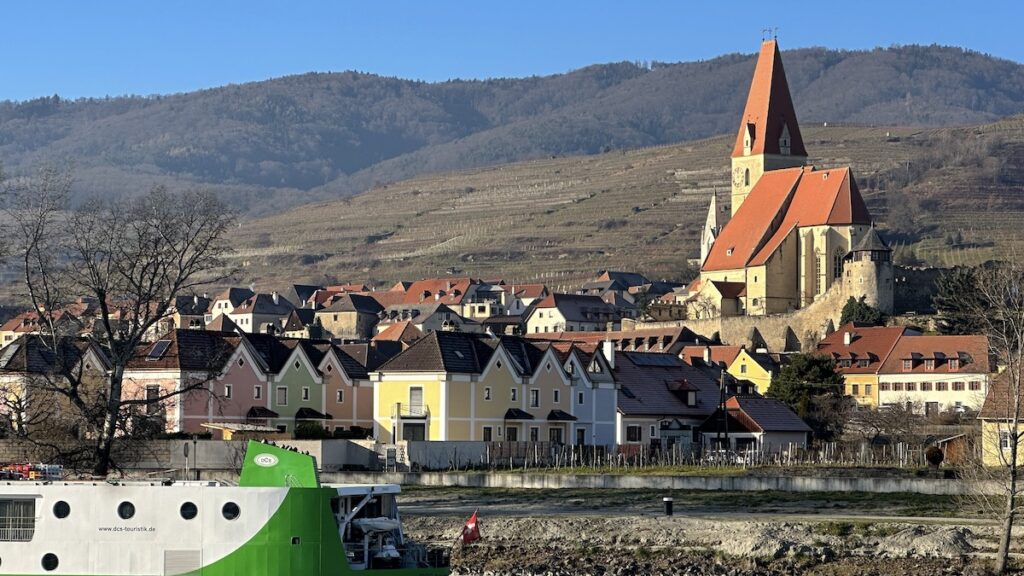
x=399, y=332
x=694, y=355
x=450, y=290
x=387, y=297
x=999, y=400
x=525, y=290
x=769, y=107
x=751, y=225
x=781, y=201
x=972, y=352
x=872, y=343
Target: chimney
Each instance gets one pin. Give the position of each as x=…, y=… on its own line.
x=707, y=355
x=275, y=297
x=437, y=297
x=847, y=338
x=195, y=299
x=206, y=296
x=448, y=285
x=608, y=349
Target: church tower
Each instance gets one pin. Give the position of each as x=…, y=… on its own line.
x=769, y=136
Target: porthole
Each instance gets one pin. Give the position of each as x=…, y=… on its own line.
x=62, y=509
x=230, y=511
x=189, y=511
x=126, y=510
x=50, y=562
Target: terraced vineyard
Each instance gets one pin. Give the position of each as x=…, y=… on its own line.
x=559, y=220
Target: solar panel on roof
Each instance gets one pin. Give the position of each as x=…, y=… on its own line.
x=661, y=360
x=158, y=350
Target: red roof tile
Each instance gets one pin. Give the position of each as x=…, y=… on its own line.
x=972, y=352
x=871, y=343
x=769, y=108
x=694, y=355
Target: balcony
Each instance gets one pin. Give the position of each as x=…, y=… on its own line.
x=409, y=411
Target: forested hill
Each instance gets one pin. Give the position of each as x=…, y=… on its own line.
x=270, y=145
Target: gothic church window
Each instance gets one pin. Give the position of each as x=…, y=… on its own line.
x=746, y=177
x=837, y=264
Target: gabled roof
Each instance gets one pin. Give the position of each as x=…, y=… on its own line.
x=769, y=108
x=35, y=354
x=271, y=350
x=222, y=324
x=526, y=291
x=355, y=368
x=193, y=305
x=999, y=401
x=369, y=356
x=577, y=307
x=871, y=343
x=441, y=351
x=235, y=295
x=299, y=319
x=757, y=414
x=719, y=355
x=264, y=304
x=971, y=351
x=781, y=201
x=354, y=303
x=403, y=331
x=625, y=278
x=186, y=350
x=442, y=290
x=650, y=384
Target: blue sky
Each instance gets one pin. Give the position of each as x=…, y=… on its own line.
x=77, y=48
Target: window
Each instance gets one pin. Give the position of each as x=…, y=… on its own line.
x=487, y=393
x=941, y=386
x=908, y=365
x=126, y=510
x=632, y=433
x=1005, y=439
x=837, y=264
x=897, y=387
x=867, y=389
x=818, y=265
x=929, y=364
x=241, y=362
x=557, y=397
x=487, y=433
x=282, y=396
x=340, y=396
x=975, y=385
x=152, y=400
x=958, y=386
x=50, y=562
x=498, y=363
x=743, y=369
x=746, y=173
x=926, y=386
x=883, y=387
x=863, y=363
x=61, y=509
x=555, y=435
x=652, y=431
x=499, y=431
x=257, y=392
x=854, y=390
x=534, y=398
x=305, y=392
x=230, y=511
x=17, y=520
x=534, y=434
x=227, y=390
x=416, y=400
x=954, y=363
x=515, y=394
x=189, y=511
x=579, y=397
x=845, y=363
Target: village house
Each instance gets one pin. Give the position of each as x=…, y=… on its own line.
x=350, y=316
x=30, y=369
x=936, y=374
x=661, y=400
x=461, y=386
x=996, y=416
x=226, y=301
x=756, y=368
x=572, y=313
x=261, y=313
x=755, y=424
x=426, y=318
x=594, y=391
x=522, y=296
x=190, y=311
x=859, y=352
x=404, y=334
x=303, y=323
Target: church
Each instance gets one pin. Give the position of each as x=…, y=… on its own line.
x=792, y=231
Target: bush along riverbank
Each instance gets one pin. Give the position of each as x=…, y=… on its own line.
x=630, y=545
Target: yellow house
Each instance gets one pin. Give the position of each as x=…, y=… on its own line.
x=462, y=386
x=757, y=367
x=859, y=353
x=996, y=424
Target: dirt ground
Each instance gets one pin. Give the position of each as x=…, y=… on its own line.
x=562, y=532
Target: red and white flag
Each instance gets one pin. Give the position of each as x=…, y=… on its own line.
x=471, y=531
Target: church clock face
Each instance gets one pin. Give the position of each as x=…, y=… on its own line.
x=737, y=176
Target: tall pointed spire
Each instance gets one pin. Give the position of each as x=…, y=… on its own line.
x=769, y=124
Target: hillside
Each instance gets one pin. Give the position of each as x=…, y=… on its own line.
x=267, y=146
x=948, y=195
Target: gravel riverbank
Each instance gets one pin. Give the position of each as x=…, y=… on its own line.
x=623, y=545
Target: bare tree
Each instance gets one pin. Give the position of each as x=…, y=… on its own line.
x=998, y=300
x=130, y=258
x=897, y=423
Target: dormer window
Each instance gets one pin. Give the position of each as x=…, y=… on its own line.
x=908, y=365
x=929, y=364
x=954, y=363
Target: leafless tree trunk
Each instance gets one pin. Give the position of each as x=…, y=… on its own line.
x=130, y=258
x=1000, y=305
